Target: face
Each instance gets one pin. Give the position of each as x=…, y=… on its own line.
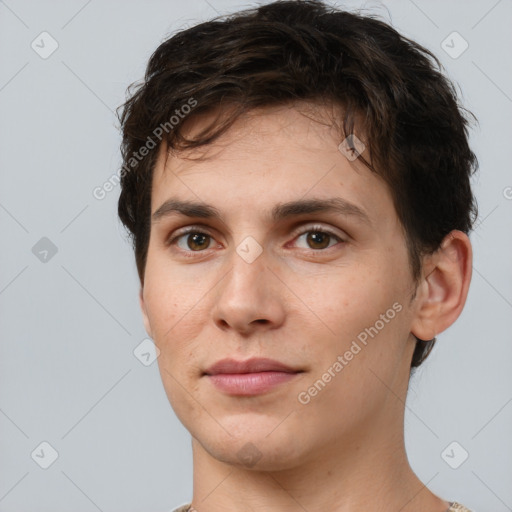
x=278, y=290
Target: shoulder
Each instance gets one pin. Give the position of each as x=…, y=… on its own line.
x=183, y=508
x=457, y=507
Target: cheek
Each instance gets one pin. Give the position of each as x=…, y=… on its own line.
x=180, y=391
x=360, y=309
x=345, y=299
x=173, y=304
x=176, y=314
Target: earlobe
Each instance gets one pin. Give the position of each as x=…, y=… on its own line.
x=145, y=316
x=444, y=287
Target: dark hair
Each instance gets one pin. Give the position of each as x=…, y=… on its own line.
x=389, y=89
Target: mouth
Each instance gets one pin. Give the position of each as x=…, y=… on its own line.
x=250, y=377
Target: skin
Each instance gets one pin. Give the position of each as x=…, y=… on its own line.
x=296, y=303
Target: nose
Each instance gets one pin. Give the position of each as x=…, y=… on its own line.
x=250, y=298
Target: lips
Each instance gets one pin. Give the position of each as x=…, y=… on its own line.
x=250, y=366
x=248, y=378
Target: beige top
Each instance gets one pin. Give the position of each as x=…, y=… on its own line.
x=454, y=507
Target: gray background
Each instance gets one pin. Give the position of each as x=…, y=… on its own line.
x=69, y=324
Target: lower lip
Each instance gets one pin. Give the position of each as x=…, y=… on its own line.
x=249, y=384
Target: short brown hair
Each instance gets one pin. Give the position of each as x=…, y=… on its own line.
x=389, y=88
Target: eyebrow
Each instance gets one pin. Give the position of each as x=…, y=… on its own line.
x=279, y=212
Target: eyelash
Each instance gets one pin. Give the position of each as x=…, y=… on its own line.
x=202, y=231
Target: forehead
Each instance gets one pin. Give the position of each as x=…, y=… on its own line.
x=267, y=157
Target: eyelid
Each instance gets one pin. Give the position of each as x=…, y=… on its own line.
x=195, y=228
x=302, y=229
x=318, y=227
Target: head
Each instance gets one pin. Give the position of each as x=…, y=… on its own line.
x=321, y=162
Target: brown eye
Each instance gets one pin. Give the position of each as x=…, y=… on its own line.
x=195, y=241
x=317, y=239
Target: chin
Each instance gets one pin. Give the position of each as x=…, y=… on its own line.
x=254, y=444
x=255, y=455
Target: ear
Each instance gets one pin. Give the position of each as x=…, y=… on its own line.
x=444, y=286
x=145, y=316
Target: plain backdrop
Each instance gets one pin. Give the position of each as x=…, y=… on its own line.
x=69, y=316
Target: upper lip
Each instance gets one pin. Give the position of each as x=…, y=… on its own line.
x=249, y=366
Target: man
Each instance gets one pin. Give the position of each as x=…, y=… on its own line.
x=296, y=180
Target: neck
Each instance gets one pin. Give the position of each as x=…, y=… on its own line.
x=368, y=471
